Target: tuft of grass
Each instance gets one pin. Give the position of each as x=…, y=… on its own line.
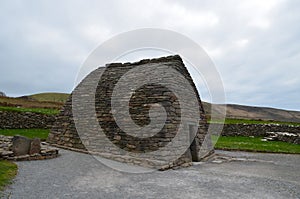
x=8, y=170
x=34, y=110
x=245, y=121
x=30, y=133
x=255, y=144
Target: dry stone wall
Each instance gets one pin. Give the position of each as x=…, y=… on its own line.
x=257, y=129
x=25, y=120
x=271, y=132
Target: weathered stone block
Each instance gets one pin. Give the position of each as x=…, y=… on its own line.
x=20, y=145
x=35, y=146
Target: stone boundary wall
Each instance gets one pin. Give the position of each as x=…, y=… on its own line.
x=25, y=120
x=257, y=129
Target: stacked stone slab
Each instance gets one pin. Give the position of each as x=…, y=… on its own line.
x=101, y=83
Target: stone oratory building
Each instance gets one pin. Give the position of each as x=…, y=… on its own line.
x=93, y=119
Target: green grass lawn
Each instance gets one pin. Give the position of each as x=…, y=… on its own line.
x=30, y=133
x=8, y=170
x=34, y=110
x=244, y=143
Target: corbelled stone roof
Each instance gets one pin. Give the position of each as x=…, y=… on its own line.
x=95, y=107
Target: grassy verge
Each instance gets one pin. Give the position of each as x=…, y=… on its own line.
x=243, y=143
x=8, y=170
x=34, y=110
x=30, y=133
x=245, y=121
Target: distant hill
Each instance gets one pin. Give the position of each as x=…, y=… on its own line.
x=232, y=110
x=50, y=97
x=56, y=100
x=28, y=103
x=41, y=100
x=257, y=113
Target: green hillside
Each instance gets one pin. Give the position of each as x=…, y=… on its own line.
x=50, y=97
x=26, y=102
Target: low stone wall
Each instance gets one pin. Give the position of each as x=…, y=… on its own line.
x=257, y=129
x=25, y=120
x=283, y=136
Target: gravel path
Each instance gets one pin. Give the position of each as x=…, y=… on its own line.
x=77, y=175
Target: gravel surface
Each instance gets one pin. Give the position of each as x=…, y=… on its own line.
x=77, y=175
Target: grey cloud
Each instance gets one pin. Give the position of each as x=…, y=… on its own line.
x=44, y=43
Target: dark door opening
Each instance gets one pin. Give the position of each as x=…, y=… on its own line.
x=193, y=146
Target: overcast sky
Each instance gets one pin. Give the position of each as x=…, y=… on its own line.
x=254, y=44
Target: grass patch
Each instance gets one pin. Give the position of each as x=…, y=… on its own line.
x=245, y=121
x=34, y=110
x=8, y=170
x=30, y=133
x=244, y=143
